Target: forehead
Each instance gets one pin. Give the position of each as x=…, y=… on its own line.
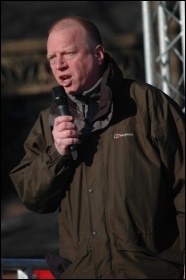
x=67, y=34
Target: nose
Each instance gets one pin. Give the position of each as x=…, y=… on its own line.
x=61, y=63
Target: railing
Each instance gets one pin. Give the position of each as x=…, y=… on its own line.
x=25, y=269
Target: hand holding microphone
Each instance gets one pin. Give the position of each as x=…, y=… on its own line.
x=67, y=127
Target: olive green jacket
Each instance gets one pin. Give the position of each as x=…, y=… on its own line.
x=121, y=204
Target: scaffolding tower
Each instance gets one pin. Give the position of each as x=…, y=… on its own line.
x=164, y=46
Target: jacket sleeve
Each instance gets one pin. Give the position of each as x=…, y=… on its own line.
x=42, y=176
x=168, y=131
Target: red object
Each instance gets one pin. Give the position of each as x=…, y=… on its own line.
x=42, y=274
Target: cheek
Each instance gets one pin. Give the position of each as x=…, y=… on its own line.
x=86, y=68
x=79, y=71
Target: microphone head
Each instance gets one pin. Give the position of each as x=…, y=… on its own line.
x=59, y=95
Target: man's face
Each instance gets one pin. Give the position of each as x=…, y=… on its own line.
x=74, y=65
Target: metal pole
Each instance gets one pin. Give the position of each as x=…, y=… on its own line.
x=182, y=26
x=148, y=43
x=164, y=55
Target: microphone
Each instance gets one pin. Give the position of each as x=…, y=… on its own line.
x=60, y=98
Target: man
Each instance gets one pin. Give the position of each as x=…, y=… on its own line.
x=121, y=202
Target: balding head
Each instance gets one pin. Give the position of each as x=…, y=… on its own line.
x=92, y=32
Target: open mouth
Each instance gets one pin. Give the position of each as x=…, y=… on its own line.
x=65, y=78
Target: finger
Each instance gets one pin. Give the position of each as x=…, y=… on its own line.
x=60, y=119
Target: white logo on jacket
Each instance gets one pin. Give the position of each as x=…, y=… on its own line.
x=119, y=135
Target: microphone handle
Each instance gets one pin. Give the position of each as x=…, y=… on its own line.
x=64, y=110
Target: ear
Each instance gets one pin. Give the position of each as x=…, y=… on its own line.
x=99, y=54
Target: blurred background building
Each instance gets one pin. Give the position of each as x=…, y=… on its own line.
x=26, y=83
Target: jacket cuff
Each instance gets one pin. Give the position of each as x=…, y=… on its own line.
x=55, y=156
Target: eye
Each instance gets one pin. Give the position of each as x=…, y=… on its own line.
x=52, y=59
x=70, y=54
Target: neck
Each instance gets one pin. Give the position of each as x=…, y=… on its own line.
x=88, y=95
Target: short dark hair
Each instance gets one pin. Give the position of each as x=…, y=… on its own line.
x=93, y=33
